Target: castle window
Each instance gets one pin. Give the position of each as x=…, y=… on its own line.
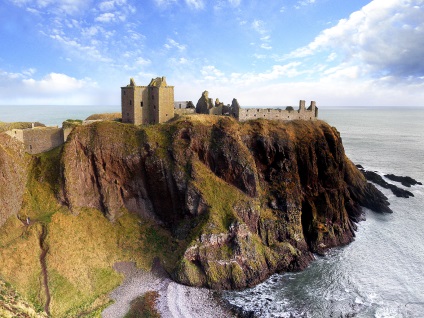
x=258, y=110
x=125, y=92
x=154, y=106
x=130, y=102
x=141, y=104
x=153, y=96
x=269, y=110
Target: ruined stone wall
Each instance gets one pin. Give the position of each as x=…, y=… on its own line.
x=38, y=140
x=216, y=110
x=274, y=114
x=17, y=134
x=279, y=114
x=184, y=111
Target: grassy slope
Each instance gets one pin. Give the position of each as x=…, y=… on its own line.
x=82, y=248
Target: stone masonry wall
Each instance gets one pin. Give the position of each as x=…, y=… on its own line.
x=38, y=140
x=275, y=114
x=184, y=111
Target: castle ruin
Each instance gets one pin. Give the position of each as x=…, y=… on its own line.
x=155, y=104
x=152, y=104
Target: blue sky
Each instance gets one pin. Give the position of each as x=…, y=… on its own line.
x=264, y=53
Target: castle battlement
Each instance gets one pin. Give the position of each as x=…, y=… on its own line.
x=155, y=103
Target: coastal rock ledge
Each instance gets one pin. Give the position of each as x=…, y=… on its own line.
x=241, y=200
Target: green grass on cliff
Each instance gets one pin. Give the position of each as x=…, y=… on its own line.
x=13, y=305
x=82, y=248
x=17, y=125
x=43, y=186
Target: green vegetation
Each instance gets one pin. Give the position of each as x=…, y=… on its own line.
x=105, y=116
x=144, y=306
x=205, y=235
x=18, y=125
x=13, y=305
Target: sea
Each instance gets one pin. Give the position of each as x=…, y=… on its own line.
x=381, y=273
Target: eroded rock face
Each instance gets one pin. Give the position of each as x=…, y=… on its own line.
x=13, y=176
x=248, y=199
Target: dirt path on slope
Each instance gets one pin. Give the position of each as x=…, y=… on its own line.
x=44, y=250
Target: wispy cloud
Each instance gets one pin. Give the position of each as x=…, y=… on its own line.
x=303, y=3
x=195, y=4
x=87, y=51
x=234, y=3
x=260, y=27
x=65, y=7
x=105, y=17
x=170, y=44
x=164, y=3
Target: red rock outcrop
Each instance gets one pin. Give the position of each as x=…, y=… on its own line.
x=248, y=199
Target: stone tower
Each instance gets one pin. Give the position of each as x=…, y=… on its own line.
x=150, y=104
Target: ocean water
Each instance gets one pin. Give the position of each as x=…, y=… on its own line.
x=380, y=274
x=51, y=115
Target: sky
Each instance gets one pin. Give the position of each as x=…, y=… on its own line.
x=264, y=53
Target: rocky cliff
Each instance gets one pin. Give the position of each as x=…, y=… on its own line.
x=241, y=200
x=13, y=175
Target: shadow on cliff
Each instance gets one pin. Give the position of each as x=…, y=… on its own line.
x=244, y=200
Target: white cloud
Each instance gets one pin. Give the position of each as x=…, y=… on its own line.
x=106, y=17
x=386, y=37
x=142, y=61
x=111, y=5
x=53, y=88
x=196, y=4
x=234, y=3
x=259, y=26
x=164, y=3
x=170, y=44
x=303, y=3
x=54, y=83
x=90, y=52
x=67, y=7
x=266, y=46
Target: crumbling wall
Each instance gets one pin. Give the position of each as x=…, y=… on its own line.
x=279, y=114
x=38, y=140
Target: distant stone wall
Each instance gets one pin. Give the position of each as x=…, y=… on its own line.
x=38, y=140
x=184, y=111
x=279, y=114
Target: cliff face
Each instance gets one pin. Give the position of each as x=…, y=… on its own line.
x=14, y=170
x=244, y=200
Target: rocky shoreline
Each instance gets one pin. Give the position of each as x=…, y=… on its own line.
x=175, y=300
x=406, y=181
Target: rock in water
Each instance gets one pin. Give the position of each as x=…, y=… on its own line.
x=405, y=181
x=376, y=178
x=245, y=200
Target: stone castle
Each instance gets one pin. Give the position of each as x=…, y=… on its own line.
x=155, y=104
